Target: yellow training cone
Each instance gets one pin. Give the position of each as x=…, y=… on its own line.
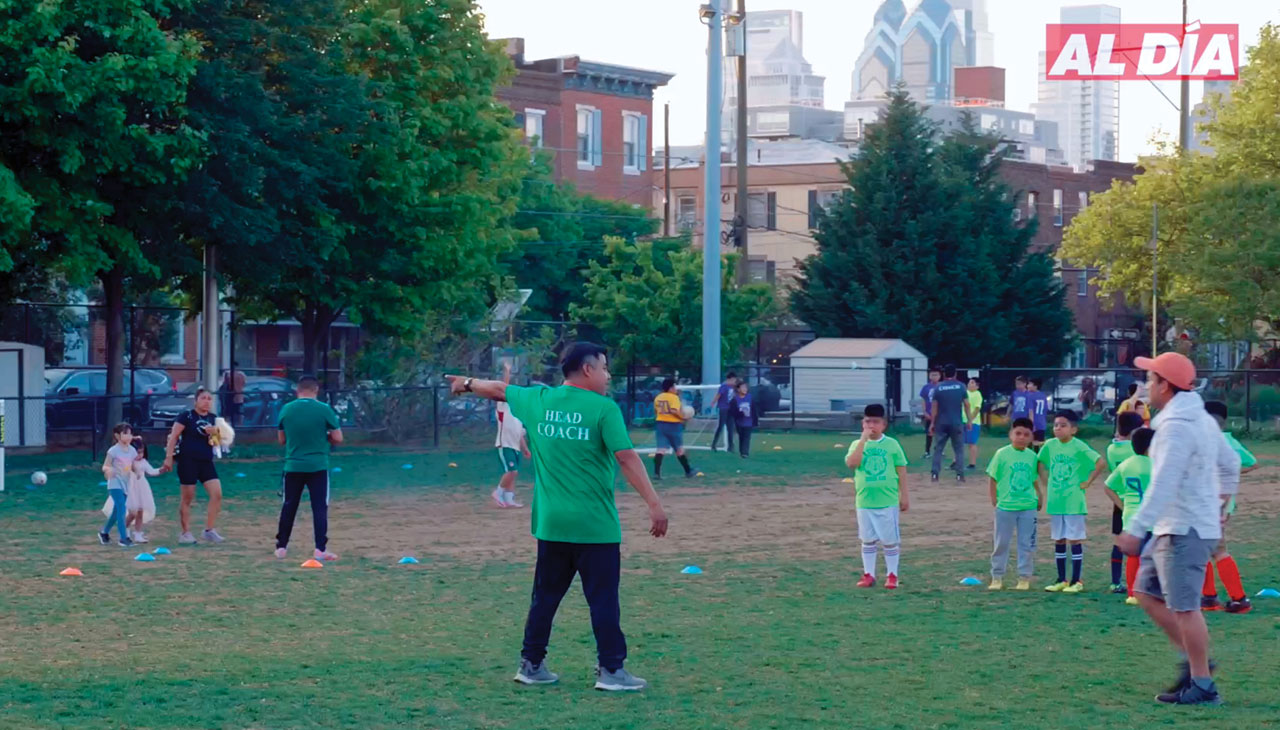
x=777, y=448
x=71, y=571
x=453, y=465
x=838, y=446
x=847, y=480
x=313, y=563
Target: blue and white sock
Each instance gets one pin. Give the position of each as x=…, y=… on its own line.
x=1060, y=556
x=1077, y=562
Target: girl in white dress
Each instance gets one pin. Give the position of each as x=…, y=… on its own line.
x=140, y=503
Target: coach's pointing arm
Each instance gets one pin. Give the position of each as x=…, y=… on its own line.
x=492, y=389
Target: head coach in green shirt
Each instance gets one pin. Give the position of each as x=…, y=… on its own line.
x=579, y=440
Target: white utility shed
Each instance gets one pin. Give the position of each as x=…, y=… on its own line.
x=856, y=371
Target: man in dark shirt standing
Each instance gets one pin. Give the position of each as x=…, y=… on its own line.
x=950, y=400
x=722, y=401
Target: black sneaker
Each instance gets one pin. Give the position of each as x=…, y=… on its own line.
x=973, y=467
x=1210, y=603
x=1183, y=681
x=1240, y=605
x=960, y=478
x=933, y=477
x=927, y=455
x=1193, y=694
x=104, y=538
x=691, y=474
x=126, y=542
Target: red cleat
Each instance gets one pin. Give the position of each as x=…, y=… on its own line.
x=891, y=582
x=868, y=581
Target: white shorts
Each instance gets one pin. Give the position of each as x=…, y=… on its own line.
x=1066, y=527
x=878, y=525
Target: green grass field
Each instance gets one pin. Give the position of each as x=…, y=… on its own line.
x=773, y=635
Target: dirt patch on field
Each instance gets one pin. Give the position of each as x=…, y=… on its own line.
x=810, y=520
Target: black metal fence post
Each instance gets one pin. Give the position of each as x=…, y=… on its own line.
x=435, y=416
x=1248, y=401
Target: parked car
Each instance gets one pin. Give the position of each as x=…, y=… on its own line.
x=76, y=397
x=264, y=396
x=1066, y=395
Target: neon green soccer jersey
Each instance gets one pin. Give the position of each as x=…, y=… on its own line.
x=1130, y=481
x=1069, y=465
x=1015, y=473
x=876, y=478
x=1117, y=452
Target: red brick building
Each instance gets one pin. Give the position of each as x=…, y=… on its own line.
x=596, y=119
x=1111, y=331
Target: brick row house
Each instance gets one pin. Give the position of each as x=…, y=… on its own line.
x=595, y=118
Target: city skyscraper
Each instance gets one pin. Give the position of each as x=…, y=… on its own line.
x=781, y=84
x=922, y=48
x=1087, y=112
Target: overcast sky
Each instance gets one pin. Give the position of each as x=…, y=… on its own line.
x=666, y=35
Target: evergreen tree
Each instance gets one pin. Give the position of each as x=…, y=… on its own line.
x=923, y=247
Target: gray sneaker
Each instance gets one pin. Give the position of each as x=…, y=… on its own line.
x=186, y=538
x=530, y=673
x=619, y=681
x=212, y=536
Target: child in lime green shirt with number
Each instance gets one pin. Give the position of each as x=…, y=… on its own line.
x=1128, y=484
x=1118, y=450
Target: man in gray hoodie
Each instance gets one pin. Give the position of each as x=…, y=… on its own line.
x=1191, y=464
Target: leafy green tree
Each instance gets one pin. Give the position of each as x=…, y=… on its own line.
x=93, y=136
x=923, y=247
x=1218, y=253
x=646, y=300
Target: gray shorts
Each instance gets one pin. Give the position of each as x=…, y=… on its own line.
x=670, y=435
x=1172, y=568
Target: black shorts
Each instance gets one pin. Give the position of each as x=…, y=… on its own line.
x=195, y=471
x=1117, y=520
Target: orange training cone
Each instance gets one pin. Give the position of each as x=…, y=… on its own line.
x=71, y=571
x=313, y=563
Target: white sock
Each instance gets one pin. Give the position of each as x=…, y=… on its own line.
x=508, y=496
x=891, y=559
x=869, y=559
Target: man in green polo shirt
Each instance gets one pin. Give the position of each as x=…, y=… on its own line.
x=579, y=440
x=307, y=428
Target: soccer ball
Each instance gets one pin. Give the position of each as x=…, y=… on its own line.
x=39, y=478
x=687, y=412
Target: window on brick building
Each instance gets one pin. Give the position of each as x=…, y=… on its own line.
x=1057, y=207
x=635, y=135
x=590, y=151
x=686, y=212
x=533, y=125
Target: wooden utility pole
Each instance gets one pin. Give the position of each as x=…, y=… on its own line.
x=666, y=169
x=1184, y=109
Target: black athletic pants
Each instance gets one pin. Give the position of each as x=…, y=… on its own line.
x=315, y=482
x=725, y=424
x=744, y=440
x=599, y=565
x=954, y=433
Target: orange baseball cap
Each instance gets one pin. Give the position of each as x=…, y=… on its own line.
x=1172, y=366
